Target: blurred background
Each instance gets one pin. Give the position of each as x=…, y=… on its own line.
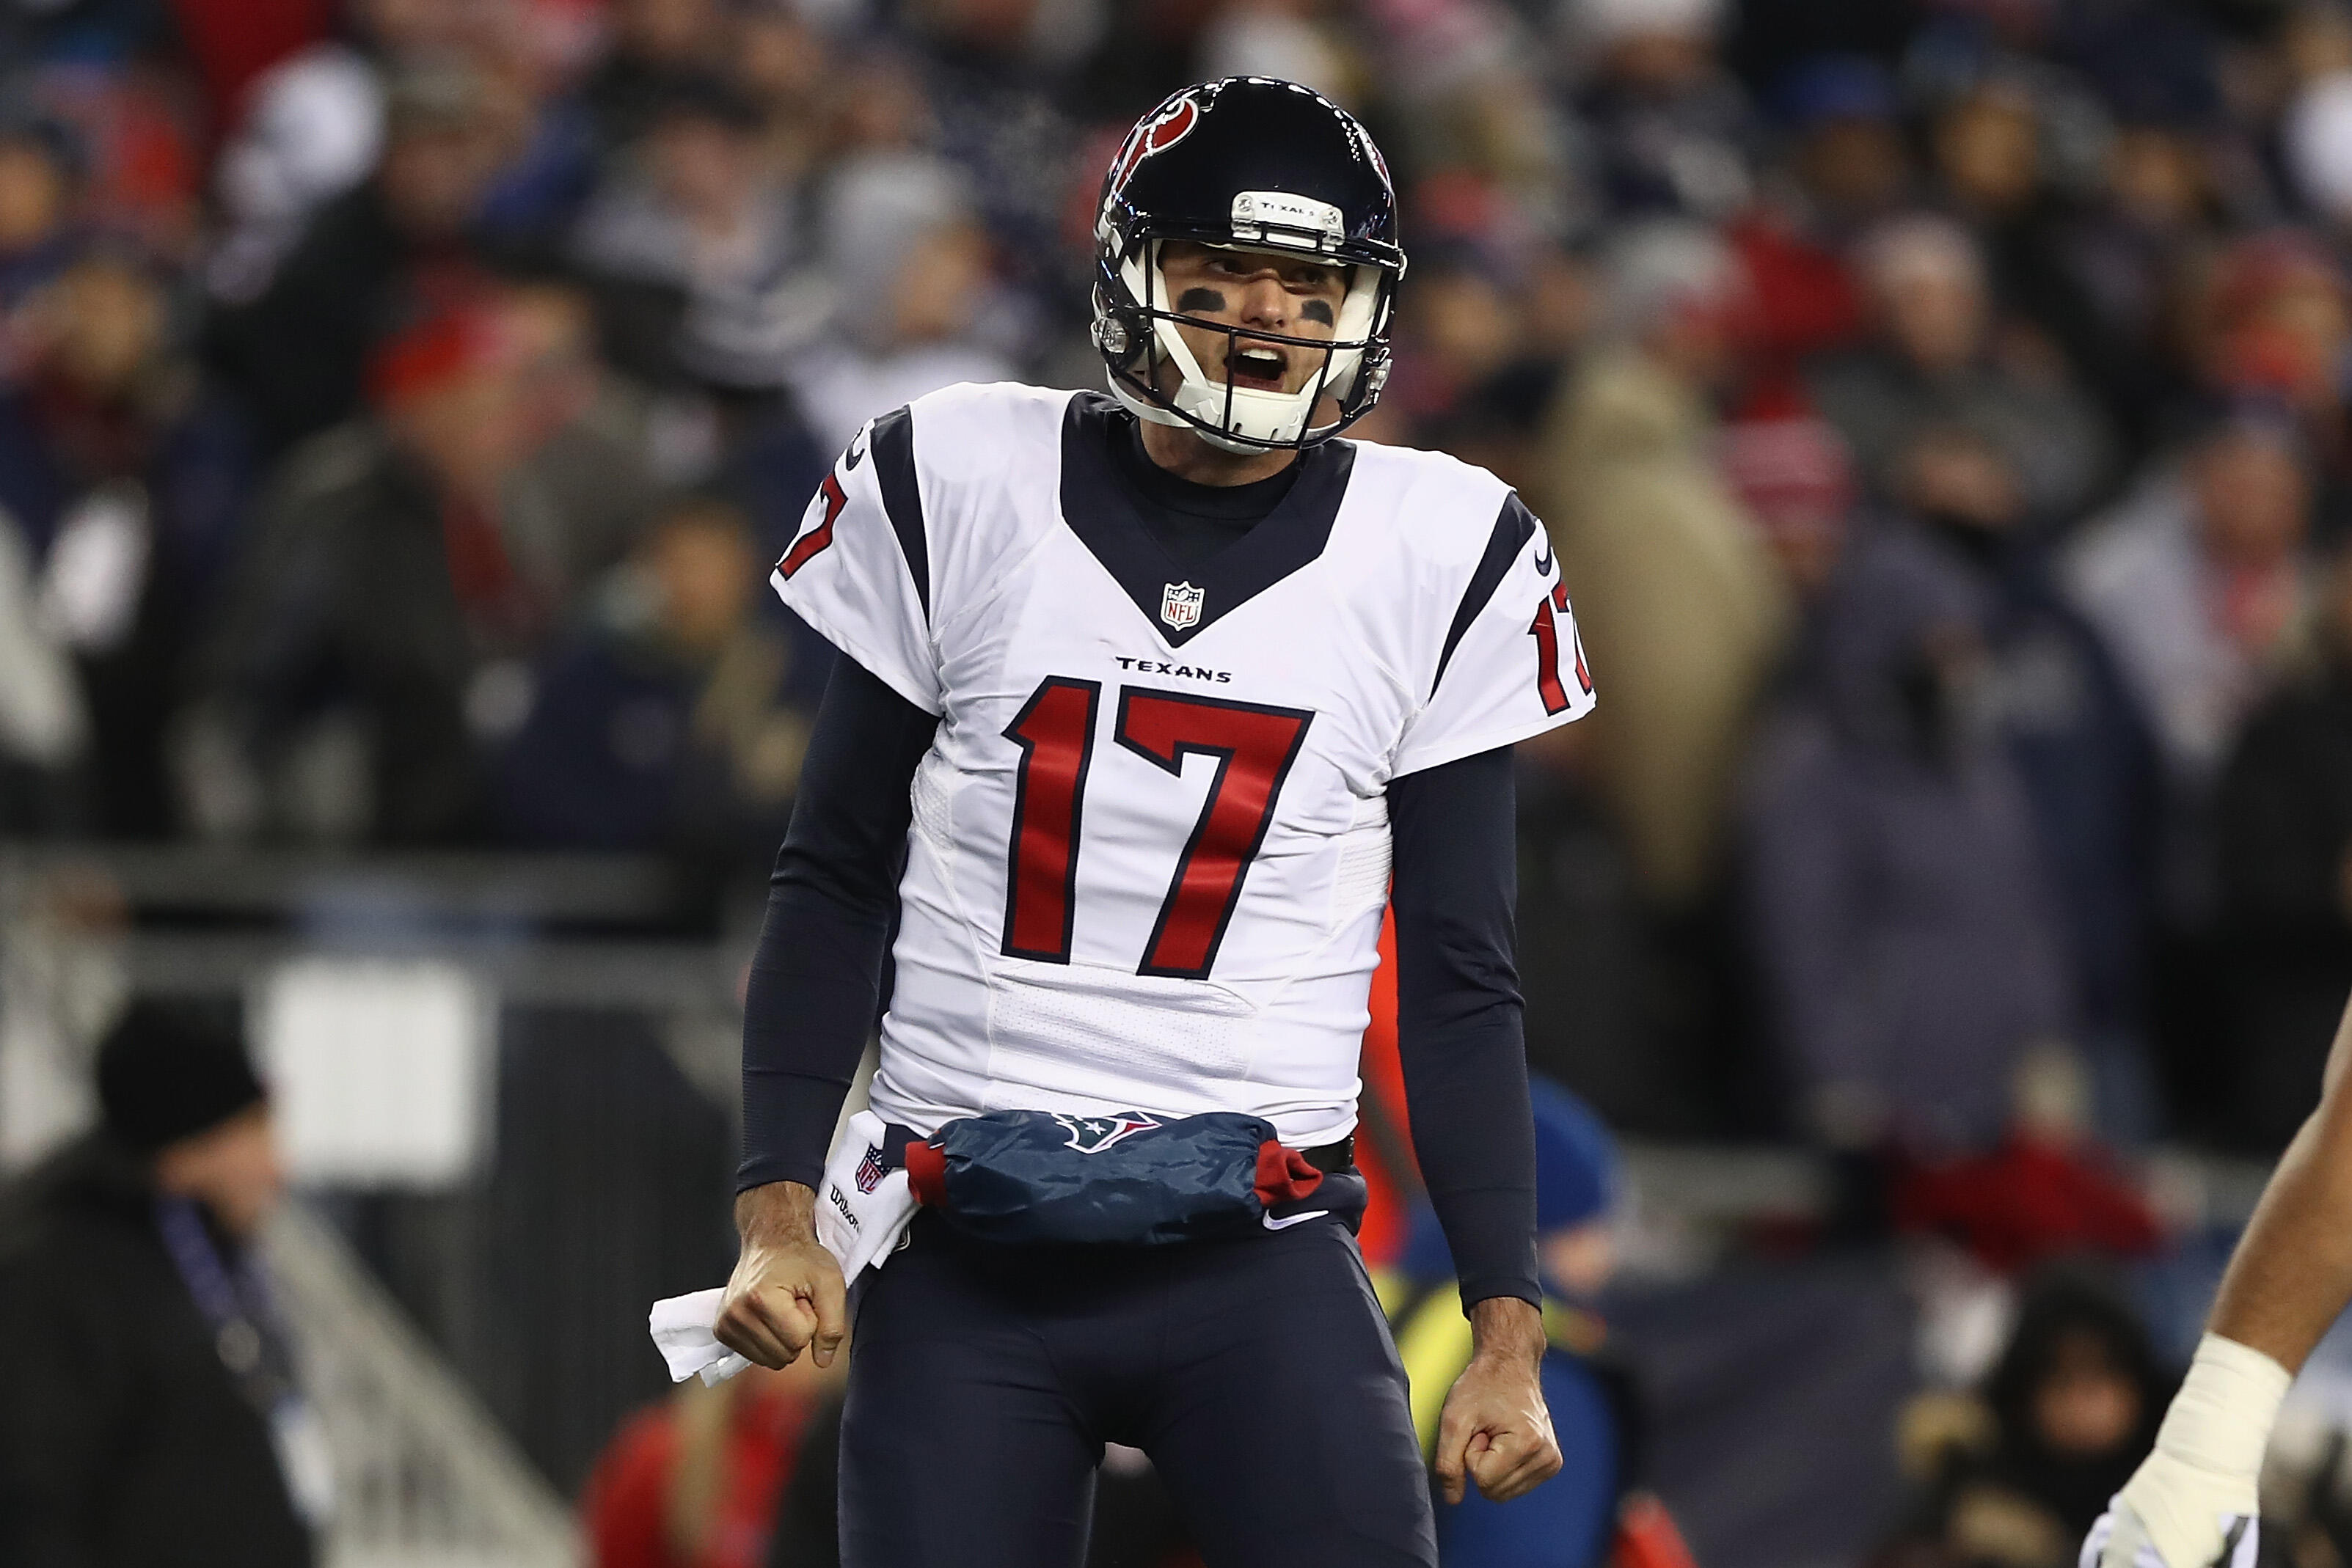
x=1943, y=413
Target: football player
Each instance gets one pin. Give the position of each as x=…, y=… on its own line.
x=1146, y=701
x=2192, y=1503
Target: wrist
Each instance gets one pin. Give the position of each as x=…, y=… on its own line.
x=2221, y=1420
x=1506, y=1328
x=777, y=1213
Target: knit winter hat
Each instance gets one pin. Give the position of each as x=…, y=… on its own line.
x=1575, y=1159
x=166, y=1073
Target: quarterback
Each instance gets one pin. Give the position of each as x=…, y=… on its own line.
x=1150, y=705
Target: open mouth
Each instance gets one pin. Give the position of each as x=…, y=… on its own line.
x=1261, y=367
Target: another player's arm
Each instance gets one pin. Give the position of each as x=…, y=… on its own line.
x=2287, y=1281
x=810, y=1005
x=1462, y=1047
x=2291, y=1273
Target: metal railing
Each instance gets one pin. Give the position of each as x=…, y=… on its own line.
x=423, y=1477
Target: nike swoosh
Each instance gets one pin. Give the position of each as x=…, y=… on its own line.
x=1543, y=561
x=857, y=449
x=1271, y=1223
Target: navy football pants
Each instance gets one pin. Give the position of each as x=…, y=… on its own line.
x=1257, y=1374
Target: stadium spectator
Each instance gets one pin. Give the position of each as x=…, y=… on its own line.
x=1670, y=127
x=2131, y=249
x=383, y=255
x=599, y=453
x=693, y=1481
x=2016, y=1474
x=1677, y=602
x=909, y=274
x=1795, y=481
x=680, y=728
x=2074, y=734
x=312, y=128
x=377, y=584
x=1932, y=361
x=1846, y=161
x=2273, y=319
x=2283, y=823
x=42, y=163
x=697, y=246
x=1897, y=901
x=2197, y=583
x=1989, y=145
x=989, y=73
x=152, y=1416
x=656, y=46
x=130, y=477
x=785, y=66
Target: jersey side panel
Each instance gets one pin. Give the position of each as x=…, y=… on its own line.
x=984, y=460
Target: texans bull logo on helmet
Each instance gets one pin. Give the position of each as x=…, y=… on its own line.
x=1163, y=131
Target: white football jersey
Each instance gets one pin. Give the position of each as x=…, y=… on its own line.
x=1151, y=845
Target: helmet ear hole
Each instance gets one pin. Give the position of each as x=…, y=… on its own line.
x=1117, y=340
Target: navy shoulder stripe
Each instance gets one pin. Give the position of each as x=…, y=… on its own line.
x=902, y=497
x=1514, y=526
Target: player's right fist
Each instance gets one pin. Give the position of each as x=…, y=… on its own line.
x=786, y=1294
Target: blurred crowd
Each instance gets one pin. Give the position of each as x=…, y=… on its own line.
x=1939, y=408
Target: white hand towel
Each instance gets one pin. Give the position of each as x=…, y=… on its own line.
x=862, y=1211
x=681, y=1331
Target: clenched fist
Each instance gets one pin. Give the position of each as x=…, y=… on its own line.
x=786, y=1294
x=1495, y=1429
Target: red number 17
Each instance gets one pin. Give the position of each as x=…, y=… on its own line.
x=1255, y=746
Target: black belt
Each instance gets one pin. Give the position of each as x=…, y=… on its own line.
x=1330, y=1157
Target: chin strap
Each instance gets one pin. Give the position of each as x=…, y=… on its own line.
x=1240, y=419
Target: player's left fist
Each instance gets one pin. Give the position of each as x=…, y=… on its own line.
x=1496, y=1430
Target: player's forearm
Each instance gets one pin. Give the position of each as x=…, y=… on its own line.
x=1459, y=1034
x=2291, y=1273
x=817, y=976
x=806, y=1014
x=2289, y=1278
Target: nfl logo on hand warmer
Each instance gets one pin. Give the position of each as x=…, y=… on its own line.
x=869, y=1169
x=1093, y=1134
x=1180, y=606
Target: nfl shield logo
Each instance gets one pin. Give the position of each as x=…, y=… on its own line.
x=869, y=1169
x=1180, y=606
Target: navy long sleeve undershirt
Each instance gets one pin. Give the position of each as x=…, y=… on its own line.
x=1460, y=1022
x=816, y=978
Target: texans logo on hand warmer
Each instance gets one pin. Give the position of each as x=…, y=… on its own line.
x=1093, y=1134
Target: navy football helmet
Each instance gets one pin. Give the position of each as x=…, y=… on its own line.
x=1246, y=163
